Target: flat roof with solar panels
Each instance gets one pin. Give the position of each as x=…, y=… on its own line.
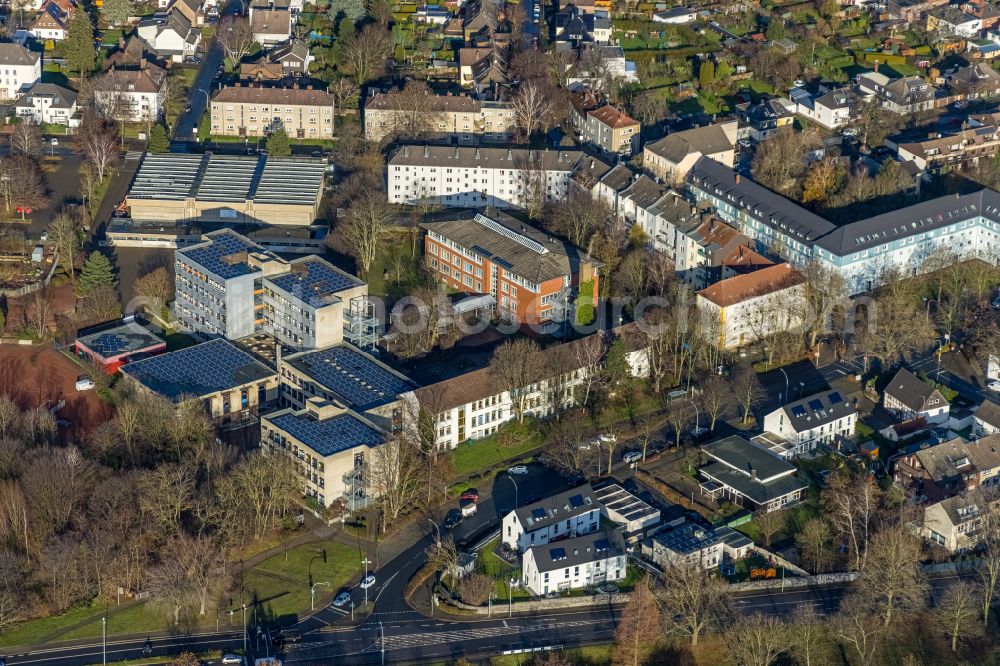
x=113, y=342
x=199, y=371
x=327, y=436
x=351, y=375
x=314, y=281
x=224, y=254
x=623, y=507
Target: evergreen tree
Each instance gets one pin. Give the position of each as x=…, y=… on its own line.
x=159, y=142
x=96, y=274
x=118, y=11
x=775, y=29
x=351, y=11
x=278, y=145
x=80, y=54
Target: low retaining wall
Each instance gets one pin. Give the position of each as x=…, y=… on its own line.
x=548, y=604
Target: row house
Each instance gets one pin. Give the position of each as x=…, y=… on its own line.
x=452, y=117
x=945, y=152
x=955, y=467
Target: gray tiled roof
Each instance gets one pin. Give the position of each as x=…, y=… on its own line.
x=567, y=504
x=744, y=456
x=989, y=413
x=601, y=545
x=910, y=390
x=708, y=140
x=816, y=410
x=15, y=54
x=485, y=157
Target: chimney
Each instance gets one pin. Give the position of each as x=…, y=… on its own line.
x=753, y=472
x=876, y=64
x=427, y=151
x=737, y=179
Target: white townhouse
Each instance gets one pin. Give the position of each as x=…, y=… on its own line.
x=470, y=406
x=986, y=419
x=470, y=177
x=571, y=513
x=19, y=69
x=745, y=308
x=821, y=418
x=862, y=252
x=172, y=37
x=142, y=90
x=48, y=103
x=831, y=108
x=575, y=563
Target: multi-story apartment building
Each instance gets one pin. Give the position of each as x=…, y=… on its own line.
x=821, y=418
x=227, y=190
x=944, y=152
x=455, y=117
x=303, y=112
x=19, y=69
x=863, y=252
x=467, y=177
x=609, y=130
x=231, y=287
x=534, y=278
x=571, y=513
x=950, y=468
x=745, y=308
x=330, y=445
x=672, y=157
x=583, y=561
x=471, y=406
x=141, y=91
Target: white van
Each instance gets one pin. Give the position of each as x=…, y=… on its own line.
x=84, y=384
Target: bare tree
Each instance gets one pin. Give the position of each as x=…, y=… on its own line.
x=365, y=53
x=957, y=611
x=202, y=558
x=532, y=108
x=414, y=112
x=26, y=139
x=808, y=636
x=571, y=450
x=757, y=639
x=475, y=589
x=341, y=89
x=813, y=542
x=748, y=389
x=167, y=492
x=892, y=572
x=39, y=313
x=367, y=219
x=515, y=366
x=852, y=506
x=769, y=523
x=97, y=143
x=692, y=598
x=825, y=291
x=579, y=215
x=716, y=397
x=235, y=35
x=157, y=287
x=65, y=236
x=587, y=355
x=442, y=556
x=858, y=627
x=678, y=418
x=21, y=184
x=395, y=472
x=638, y=627
x=170, y=588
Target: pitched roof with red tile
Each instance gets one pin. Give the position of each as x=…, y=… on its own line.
x=612, y=117
x=758, y=283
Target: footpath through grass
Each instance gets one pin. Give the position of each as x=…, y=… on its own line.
x=84, y=622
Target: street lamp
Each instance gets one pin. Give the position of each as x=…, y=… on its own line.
x=104, y=640
x=312, y=594
x=366, y=562
x=244, y=628
x=515, y=489
x=510, y=597
x=784, y=395
x=437, y=529
x=381, y=643
x=697, y=421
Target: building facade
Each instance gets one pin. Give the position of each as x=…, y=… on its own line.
x=571, y=513
x=575, y=563
x=822, y=418
x=458, y=117
x=304, y=113
x=948, y=469
x=20, y=69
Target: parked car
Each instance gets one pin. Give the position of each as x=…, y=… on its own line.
x=367, y=582
x=84, y=384
x=632, y=457
x=342, y=599
x=471, y=495
x=233, y=659
x=607, y=438
x=453, y=517
x=518, y=469
x=994, y=385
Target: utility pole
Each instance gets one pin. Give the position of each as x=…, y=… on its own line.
x=366, y=562
x=381, y=642
x=104, y=639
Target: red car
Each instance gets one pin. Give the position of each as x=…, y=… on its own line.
x=471, y=494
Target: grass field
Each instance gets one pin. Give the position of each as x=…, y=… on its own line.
x=484, y=453
x=134, y=619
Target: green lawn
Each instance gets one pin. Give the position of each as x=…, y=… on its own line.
x=283, y=587
x=501, y=572
x=134, y=619
x=484, y=453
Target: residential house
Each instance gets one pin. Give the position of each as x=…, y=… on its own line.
x=271, y=26
x=483, y=67
x=140, y=92
x=171, y=37
x=611, y=62
x=985, y=11
x=575, y=563
x=574, y=26
x=976, y=80
x=821, y=418
x=472, y=177
x=749, y=475
x=831, y=109
x=635, y=517
x=904, y=95
x=570, y=513
x=944, y=152
x=19, y=70
x=529, y=274
x=746, y=308
x=461, y=118
x=908, y=397
x=761, y=120
x=950, y=468
x=954, y=523
x=233, y=386
x=672, y=157
x=742, y=260
x=52, y=22
x=432, y=14
x=701, y=250
x=331, y=446
x=953, y=21
x=676, y=16
x=48, y=103
x=479, y=16
x=986, y=418
x=606, y=128
x=692, y=544
x=912, y=10
x=191, y=9
x=257, y=110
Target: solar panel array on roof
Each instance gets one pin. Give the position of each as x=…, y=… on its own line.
x=815, y=405
x=291, y=180
x=313, y=281
x=211, y=367
x=166, y=176
x=556, y=554
x=126, y=337
x=222, y=255
x=576, y=501
x=350, y=374
x=228, y=178
x=330, y=436
x=835, y=397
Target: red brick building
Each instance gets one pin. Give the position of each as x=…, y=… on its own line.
x=534, y=277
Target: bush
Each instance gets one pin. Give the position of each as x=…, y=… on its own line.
x=475, y=589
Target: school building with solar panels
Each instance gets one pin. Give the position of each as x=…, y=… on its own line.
x=329, y=444
x=228, y=189
x=229, y=286
x=233, y=385
x=113, y=345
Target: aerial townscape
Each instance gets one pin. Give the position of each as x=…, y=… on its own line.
x=500, y=332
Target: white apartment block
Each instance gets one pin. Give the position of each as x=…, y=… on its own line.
x=575, y=563
x=19, y=70
x=468, y=177
x=822, y=418
x=142, y=91
x=571, y=513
